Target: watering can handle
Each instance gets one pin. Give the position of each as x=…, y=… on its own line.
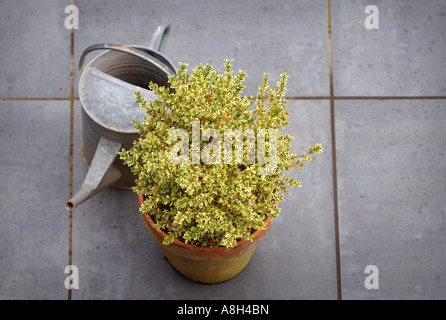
x=159, y=38
x=134, y=51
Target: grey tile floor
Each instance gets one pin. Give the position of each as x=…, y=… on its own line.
x=375, y=196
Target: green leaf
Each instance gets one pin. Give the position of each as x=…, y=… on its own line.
x=198, y=202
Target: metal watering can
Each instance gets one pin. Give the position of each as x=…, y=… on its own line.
x=108, y=104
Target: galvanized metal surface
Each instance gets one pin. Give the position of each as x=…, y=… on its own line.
x=110, y=101
x=101, y=173
x=106, y=93
x=159, y=38
x=144, y=55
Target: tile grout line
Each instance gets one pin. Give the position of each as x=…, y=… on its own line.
x=36, y=99
x=366, y=97
x=70, y=233
x=389, y=97
x=333, y=146
x=287, y=97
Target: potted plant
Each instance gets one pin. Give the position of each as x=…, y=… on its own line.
x=210, y=166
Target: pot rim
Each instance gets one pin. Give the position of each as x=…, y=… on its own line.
x=257, y=235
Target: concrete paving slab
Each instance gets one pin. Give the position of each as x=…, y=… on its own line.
x=34, y=171
x=391, y=182
x=261, y=36
x=405, y=56
x=34, y=49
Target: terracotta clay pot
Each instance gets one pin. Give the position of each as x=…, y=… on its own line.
x=206, y=265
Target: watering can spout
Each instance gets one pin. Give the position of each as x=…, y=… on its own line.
x=101, y=174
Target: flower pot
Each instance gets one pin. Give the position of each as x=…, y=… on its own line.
x=206, y=265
